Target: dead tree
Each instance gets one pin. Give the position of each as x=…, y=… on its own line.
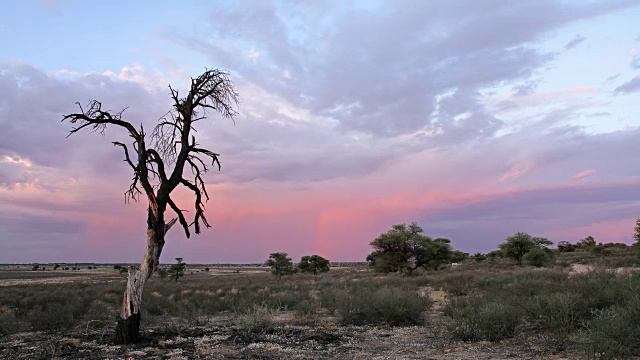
x=158, y=170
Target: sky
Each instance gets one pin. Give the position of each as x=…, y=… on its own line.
x=476, y=119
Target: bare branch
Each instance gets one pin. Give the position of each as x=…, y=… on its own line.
x=155, y=158
x=198, y=205
x=214, y=90
x=181, y=217
x=97, y=119
x=126, y=154
x=168, y=225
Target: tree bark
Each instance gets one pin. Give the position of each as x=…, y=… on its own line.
x=128, y=326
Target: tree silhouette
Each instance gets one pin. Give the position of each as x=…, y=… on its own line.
x=174, y=145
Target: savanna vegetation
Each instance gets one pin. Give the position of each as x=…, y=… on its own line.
x=417, y=297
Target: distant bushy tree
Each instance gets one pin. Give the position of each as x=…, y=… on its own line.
x=280, y=264
x=587, y=243
x=313, y=264
x=405, y=248
x=516, y=246
x=479, y=257
x=433, y=254
x=565, y=246
x=458, y=256
x=539, y=257
x=177, y=270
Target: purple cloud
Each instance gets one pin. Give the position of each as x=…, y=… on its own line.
x=577, y=40
x=630, y=86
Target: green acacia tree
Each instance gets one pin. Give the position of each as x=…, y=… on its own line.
x=405, y=248
x=280, y=264
x=313, y=264
x=516, y=246
x=177, y=270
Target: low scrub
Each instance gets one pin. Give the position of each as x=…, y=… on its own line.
x=613, y=333
x=476, y=319
x=253, y=323
x=392, y=306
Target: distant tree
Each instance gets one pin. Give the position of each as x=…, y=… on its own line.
x=170, y=159
x=56, y=266
x=433, y=253
x=565, y=246
x=516, y=246
x=587, y=243
x=458, y=256
x=35, y=267
x=405, y=248
x=313, y=264
x=539, y=257
x=176, y=270
x=280, y=264
x=479, y=257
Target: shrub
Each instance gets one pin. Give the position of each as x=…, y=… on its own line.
x=330, y=299
x=306, y=311
x=613, y=333
x=558, y=314
x=55, y=316
x=476, y=319
x=252, y=323
x=9, y=324
x=393, y=306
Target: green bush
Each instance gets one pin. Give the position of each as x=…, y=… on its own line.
x=9, y=324
x=330, y=299
x=538, y=257
x=393, y=306
x=307, y=311
x=251, y=324
x=613, y=333
x=476, y=319
x=558, y=315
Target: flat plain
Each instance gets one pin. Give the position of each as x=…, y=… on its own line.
x=488, y=310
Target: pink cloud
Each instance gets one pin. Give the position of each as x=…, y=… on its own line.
x=584, y=174
x=516, y=172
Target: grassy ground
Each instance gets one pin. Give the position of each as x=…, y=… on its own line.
x=587, y=306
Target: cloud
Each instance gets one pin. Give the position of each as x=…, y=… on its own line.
x=584, y=174
x=577, y=40
x=152, y=81
x=630, y=86
x=353, y=117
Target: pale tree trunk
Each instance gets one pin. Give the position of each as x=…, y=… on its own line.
x=128, y=327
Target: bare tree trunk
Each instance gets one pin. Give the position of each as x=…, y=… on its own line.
x=128, y=326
